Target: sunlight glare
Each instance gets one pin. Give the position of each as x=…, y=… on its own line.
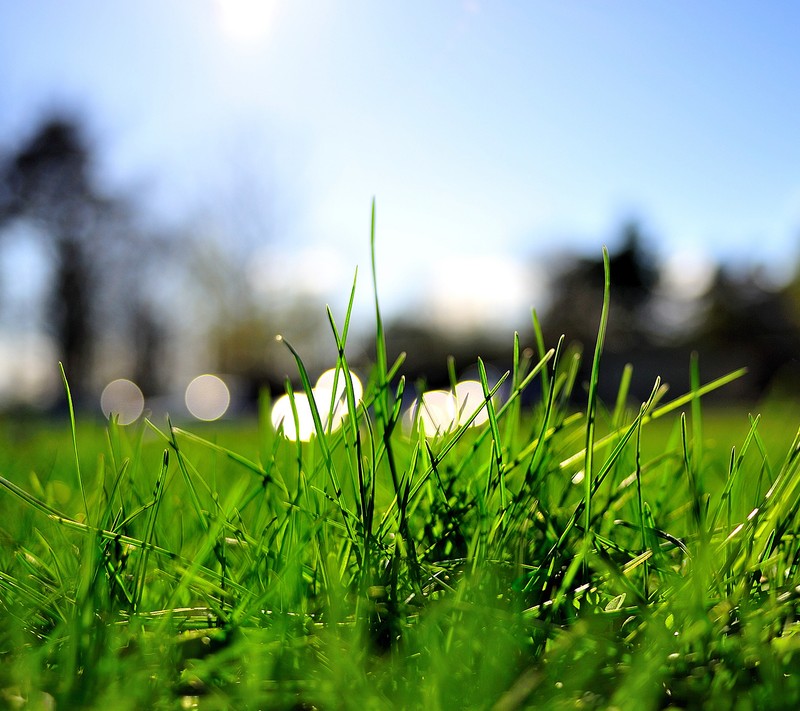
x=245, y=20
x=468, y=292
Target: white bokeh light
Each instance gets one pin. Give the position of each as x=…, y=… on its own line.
x=325, y=383
x=438, y=412
x=469, y=396
x=324, y=396
x=283, y=416
x=207, y=397
x=687, y=274
x=332, y=407
x=435, y=411
x=124, y=399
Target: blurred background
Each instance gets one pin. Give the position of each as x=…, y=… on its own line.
x=181, y=180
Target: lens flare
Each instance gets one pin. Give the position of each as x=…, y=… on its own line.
x=208, y=397
x=124, y=399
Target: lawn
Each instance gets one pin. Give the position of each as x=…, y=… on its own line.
x=606, y=555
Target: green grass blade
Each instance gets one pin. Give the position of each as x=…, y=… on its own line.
x=622, y=396
x=495, y=430
x=591, y=407
x=322, y=439
x=540, y=349
x=660, y=412
x=158, y=494
x=74, y=431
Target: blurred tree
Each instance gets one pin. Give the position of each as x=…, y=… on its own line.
x=428, y=349
x=93, y=245
x=578, y=295
x=47, y=181
x=761, y=326
x=240, y=323
x=147, y=333
x=737, y=322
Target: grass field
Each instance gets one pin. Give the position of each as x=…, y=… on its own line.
x=618, y=555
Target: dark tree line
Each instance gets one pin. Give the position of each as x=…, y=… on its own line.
x=737, y=322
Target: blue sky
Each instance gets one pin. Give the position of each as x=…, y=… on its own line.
x=505, y=130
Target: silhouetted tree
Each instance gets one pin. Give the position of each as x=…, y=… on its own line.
x=758, y=325
x=739, y=323
x=48, y=182
x=148, y=336
x=97, y=254
x=633, y=273
x=578, y=295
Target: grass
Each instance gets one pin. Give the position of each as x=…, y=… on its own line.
x=622, y=555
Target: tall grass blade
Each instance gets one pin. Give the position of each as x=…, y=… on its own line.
x=74, y=431
x=322, y=439
x=158, y=494
x=540, y=350
x=591, y=408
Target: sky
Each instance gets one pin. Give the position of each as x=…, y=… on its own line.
x=490, y=134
